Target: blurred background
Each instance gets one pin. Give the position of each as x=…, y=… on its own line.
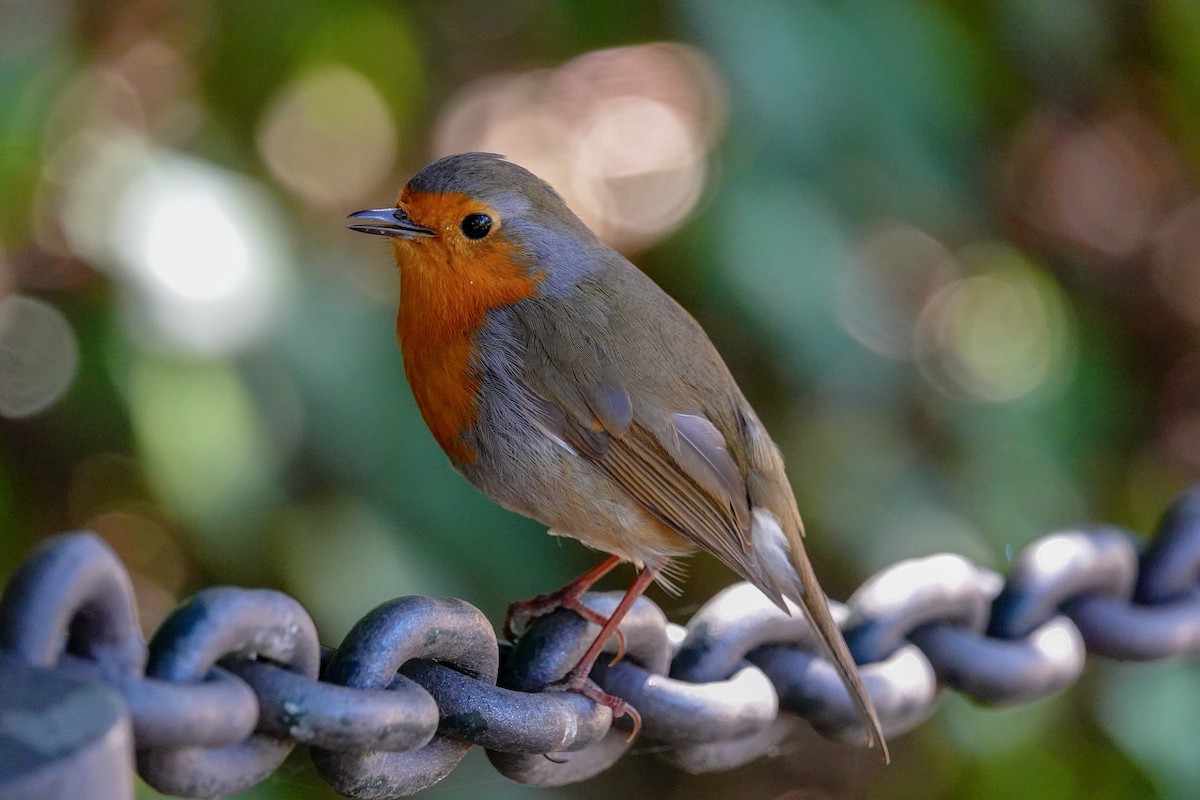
x=951, y=250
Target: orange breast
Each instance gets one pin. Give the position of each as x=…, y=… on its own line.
x=447, y=286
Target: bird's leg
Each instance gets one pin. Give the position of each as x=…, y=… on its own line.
x=567, y=597
x=577, y=679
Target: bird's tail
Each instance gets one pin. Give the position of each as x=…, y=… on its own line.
x=784, y=567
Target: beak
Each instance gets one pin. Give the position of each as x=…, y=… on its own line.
x=388, y=222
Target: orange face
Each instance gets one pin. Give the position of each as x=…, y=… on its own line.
x=448, y=283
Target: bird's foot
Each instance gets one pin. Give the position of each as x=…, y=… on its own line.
x=578, y=681
x=570, y=598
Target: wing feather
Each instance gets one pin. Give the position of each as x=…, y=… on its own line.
x=694, y=489
x=659, y=425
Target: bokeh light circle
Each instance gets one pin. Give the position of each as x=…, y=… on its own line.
x=622, y=133
x=998, y=335
x=39, y=356
x=328, y=136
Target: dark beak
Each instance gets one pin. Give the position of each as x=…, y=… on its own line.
x=388, y=222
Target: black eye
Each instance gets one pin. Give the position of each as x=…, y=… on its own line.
x=476, y=226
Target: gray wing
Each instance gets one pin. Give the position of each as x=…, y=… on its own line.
x=651, y=423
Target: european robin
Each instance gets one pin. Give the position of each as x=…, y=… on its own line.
x=567, y=386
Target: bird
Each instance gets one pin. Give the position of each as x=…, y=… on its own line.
x=564, y=384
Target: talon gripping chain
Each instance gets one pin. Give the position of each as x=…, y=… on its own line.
x=234, y=678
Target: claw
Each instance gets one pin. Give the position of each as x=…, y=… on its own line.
x=569, y=597
x=619, y=635
x=575, y=682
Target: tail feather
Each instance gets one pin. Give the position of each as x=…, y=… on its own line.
x=784, y=569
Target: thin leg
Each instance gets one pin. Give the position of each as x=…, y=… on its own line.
x=566, y=597
x=577, y=679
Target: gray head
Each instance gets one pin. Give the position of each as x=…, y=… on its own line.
x=470, y=197
x=519, y=196
x=487, y=177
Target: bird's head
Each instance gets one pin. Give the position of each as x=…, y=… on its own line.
x=477, y=214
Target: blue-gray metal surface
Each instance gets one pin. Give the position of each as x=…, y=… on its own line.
x=62, y=737
x=234, y=678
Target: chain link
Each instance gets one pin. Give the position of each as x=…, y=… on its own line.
x=234, y=678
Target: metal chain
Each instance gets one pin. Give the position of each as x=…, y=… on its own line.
x=234, y=678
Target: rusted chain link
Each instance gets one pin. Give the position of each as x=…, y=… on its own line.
x=234, y=678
